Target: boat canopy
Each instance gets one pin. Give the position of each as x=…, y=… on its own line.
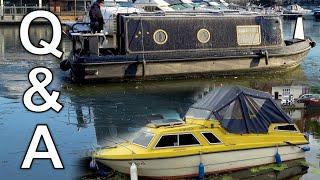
x=240, y=110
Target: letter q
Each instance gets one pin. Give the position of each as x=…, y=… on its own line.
x=46, y=48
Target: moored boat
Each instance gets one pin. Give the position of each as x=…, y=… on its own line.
x=229, y=129
x=165, y=45
x=316, y=13
x=295, y=10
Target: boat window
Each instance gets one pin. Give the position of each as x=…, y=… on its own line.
x=232, y=111
x=143, y=139
x=211, y=138
x=203, y=35
x=248, y=35
x=160, y=36
x=254, y=106
x=198, y=113
x=259, y=102
x=187, y=139
x=289, y=127
x=168, y=141
x=177, y=140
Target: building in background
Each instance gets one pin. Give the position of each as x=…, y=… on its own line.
x=67, y=10
x=57, y=6
x=69, y=6
x=24, y=2
x=296, y=90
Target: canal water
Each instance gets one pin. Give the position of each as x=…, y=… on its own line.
x=95, y=114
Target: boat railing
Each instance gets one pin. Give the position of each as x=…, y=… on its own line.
x=71, y=13
x=18, y=10
x=23, y=10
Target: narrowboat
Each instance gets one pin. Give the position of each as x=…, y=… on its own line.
x=184, y=44
x=229, y=129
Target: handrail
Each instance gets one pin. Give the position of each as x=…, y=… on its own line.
x=18, y=10
x=22, y=10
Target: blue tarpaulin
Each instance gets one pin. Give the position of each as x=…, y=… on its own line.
x=240, y=110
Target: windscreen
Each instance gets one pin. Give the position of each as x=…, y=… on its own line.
x=198, y=113
x=143, y=139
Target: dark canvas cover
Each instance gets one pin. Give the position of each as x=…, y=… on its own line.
x=240, y=110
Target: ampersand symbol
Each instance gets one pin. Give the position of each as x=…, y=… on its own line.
x=40, y=87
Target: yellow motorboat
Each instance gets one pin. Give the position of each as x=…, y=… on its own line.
x=230, y=128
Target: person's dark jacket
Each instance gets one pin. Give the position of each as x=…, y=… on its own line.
x=96, y=18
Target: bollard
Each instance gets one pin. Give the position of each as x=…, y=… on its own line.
x=133, y=172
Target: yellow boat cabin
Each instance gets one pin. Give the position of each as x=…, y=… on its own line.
x=194, y=137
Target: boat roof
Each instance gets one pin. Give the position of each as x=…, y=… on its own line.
x=239, y=109
x=202, y=13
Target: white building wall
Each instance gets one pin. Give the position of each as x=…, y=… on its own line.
x=296, y=91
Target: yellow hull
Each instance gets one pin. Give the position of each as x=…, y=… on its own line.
x=229, y=142
x=234, y=151
x=213, y=162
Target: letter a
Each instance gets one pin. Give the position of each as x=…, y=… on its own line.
x=51, y=153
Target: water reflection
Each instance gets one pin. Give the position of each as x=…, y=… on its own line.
x=15, y=62
x=11, y=48
x=117, y=110
x=98, y=113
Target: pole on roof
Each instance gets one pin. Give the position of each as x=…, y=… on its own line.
x=40, y=3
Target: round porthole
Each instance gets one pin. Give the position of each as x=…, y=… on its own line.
x=203, y=35
x=160, y=36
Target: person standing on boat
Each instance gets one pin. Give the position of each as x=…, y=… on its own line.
x=96, y=18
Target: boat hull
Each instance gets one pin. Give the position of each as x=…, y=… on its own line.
x=96, y=69
x=213, y=162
